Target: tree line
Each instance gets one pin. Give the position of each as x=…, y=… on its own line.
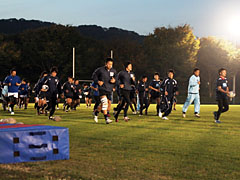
x=33, y=51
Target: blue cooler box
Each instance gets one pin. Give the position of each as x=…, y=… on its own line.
x=30, y=143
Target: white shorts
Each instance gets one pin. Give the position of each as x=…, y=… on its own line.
x=13, y=94
x=23, y=96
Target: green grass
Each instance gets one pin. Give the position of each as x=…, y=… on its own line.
x=144, y=148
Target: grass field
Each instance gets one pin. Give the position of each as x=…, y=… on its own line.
x=144, y=148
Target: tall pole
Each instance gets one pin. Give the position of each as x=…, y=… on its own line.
x=73, y=62
x=112, y=54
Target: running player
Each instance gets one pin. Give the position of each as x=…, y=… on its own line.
x=105, y=77
x=13, y=82
x=68, y=90
x=143, y=95
x=169, y=88
x=87, y=93
x=222, y=91
x=23, y=93
x=77, y=94
x=125, y=79
x=51, y=85
x=155, y=91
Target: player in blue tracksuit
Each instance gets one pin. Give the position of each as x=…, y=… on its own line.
x=168, y=88
x=193, y=93
x=23, y=94
x=13, y=82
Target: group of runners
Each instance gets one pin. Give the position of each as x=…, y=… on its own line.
x=106, y=80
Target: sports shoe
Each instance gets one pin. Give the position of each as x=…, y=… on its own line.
x=126, y=119
x=96, y=119
x=134, y=112
x=12, y=113
x=183, y=115
x=215, y=115
x=217, y=121
x=51, y=118
x=164, y=118
x=108, y=121
x=160, y=114
x=197, y=115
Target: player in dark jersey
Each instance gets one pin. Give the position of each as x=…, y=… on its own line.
x=143, y=95
x=169, y=88
x=154, y=87
x=222, y=91
x=133, y=98
x=77, y=94
x=87, y=92
x=125, y=80
x=105, y=77
x=51, y=85
x=40, y=94
x=96, y=97
x=23, y=93
x=68, y=90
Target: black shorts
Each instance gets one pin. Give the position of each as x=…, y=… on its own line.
x=42, y=95
x=132, y=95
x=76, y=97
x=105, y=93
x=69, y=96
x=155, y=96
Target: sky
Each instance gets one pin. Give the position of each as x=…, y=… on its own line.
x=207, y=17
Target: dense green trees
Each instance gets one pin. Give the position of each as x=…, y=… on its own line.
x=33, y=51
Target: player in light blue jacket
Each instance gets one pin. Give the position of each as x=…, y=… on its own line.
x=193, y=93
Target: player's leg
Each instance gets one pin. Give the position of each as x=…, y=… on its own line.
x=197, y=105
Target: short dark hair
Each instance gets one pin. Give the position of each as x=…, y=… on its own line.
x=126, y=64
x=108, y=59
x=171, y=71
x=161, y=79
x=156, y=73
x=196, y=69
x=144, y=76
x=220, y=70
x=54, y=69
x=70, y=77
x=85, y=84
x=13, y=69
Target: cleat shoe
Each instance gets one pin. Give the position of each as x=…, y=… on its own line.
x=164, y=118
x=134, y=112
x=108, y=121
x=126, y=119
x=217, y=121
x=197, y=115
x=96, y=119
x=12, y=113
x=160, y=114
x=183, y=115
